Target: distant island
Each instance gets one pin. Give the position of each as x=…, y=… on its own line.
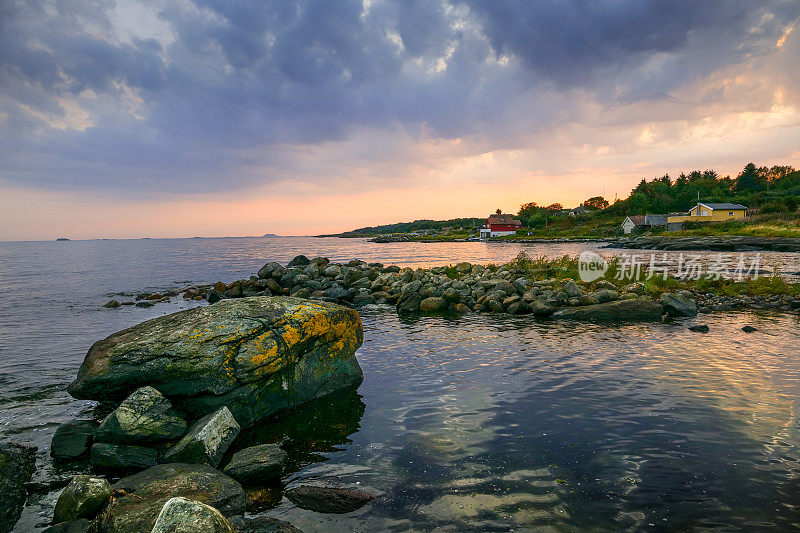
x=62, y=239
x=269, y=235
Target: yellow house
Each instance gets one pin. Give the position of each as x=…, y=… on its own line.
x=711, y=213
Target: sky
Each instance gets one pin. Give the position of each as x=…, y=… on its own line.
x=224, y=117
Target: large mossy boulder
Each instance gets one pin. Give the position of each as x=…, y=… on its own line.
x=72, y=439
x=17, y=463
x=257, y=464
x=141, y=497
x=255, y=355
x=145, y=416
x=641, y=309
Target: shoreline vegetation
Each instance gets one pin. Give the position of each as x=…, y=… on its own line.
x=538, y=286
x=772, y=196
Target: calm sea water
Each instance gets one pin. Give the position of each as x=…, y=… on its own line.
x=480, y=423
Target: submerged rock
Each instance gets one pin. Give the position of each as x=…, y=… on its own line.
x=82, y=498
x=145, y=416
x=207, y=440
x=639, y=310
x=328, y=499
x=122, y=456
x=749, y=329
x=180, y=515
x=72, y=439
x=142, y=496
x=700, y=328
x=257, y=464
x=262, y=524
x=254, y=355
x=17, y=463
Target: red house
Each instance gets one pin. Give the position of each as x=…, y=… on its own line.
x=499, y=225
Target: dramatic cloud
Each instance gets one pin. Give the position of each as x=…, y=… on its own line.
x=139, y=98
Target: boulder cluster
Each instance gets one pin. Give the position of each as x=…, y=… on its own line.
x=458, y=289
x=185, y=385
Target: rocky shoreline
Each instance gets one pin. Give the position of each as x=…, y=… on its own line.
x=718, y=244
x=461, y=289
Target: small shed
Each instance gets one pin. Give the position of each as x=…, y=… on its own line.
x=631, y=222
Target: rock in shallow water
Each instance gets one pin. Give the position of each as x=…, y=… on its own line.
x=207, y=440
x=254, y=355
x=17, y=463
x=145, y=416
x=638, y=310
x=72, y=439
x=328, y=499
x=82, y=498
x=262, y=524
x=80, y=525
x=678, y=304
x=143, y=495
x=257, y=464
x=180, y=515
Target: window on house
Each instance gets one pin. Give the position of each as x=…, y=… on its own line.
x=730, y=213
x=705, y=213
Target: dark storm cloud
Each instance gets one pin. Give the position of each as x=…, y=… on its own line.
x=230, y=83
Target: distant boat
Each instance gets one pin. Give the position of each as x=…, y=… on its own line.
x=62, y=239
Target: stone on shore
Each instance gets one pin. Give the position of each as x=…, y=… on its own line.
x=433, y=304
x=257, y=463
x=17, y=463
x=122, y=456
x=255, y=355
x=145, y=416
x=82, y=498
x=180, y=515
x=207, y=440
x=72, y=439
x=541, y=308
x=328, y=499
x=679, y=304
x=142, y=496
x=639, y=310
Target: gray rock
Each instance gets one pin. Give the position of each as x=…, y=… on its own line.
x=605, y=295
x=678, y=304
x=300, y=260
x=72, y=439
x=541, y=308
x=17, y=463
x=122, y=456
x=700, y=328
x=267, y=270
x=636, y=288
x=257, y=463
x=409, y=304
x=180, y=515
x=639, y=310
x=328, y=499
x=82, y=498
x=80, y=525
x=434, y=304
x=145, y=416
x=262, y=524
x=749, y=329
x=207, y=440
x=142, y=496
x=241, y=353
x=604, y=285
x=572, y=289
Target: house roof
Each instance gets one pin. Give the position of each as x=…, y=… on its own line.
x=579, y=209
x=638, y=220
x=503, y=218
x=723, y=206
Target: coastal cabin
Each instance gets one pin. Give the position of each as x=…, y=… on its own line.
x=710, y=212
x=580, y=210
x=500, y=225
x=632, y=222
